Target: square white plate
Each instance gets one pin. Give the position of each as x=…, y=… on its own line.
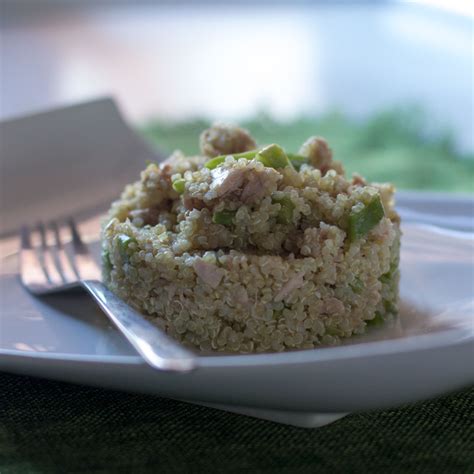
x=428, y=351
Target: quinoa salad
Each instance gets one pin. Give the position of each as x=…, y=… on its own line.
x=248, y=248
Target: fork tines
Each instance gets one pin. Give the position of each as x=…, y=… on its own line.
x=45, y=264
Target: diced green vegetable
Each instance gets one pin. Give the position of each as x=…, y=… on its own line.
x=214, y=162
x=333, y=330
x=178, y=185
x=376, y=321
x=277, y=314
x=124, y=242
x=106, y=263
x=388, y=277
x=248, y=155
x=223, y=217
x=357, y=285
x=218, y=160
x=297, y=160
x=273, y=156
x=362, y=221
x=285, y=214
x=390, y=307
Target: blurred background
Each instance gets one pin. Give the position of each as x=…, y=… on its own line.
x=389, y=84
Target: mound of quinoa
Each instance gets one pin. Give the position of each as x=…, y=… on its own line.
x=251, y=249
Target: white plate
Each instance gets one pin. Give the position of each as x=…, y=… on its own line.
x=427, y=352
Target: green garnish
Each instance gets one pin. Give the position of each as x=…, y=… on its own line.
x=285, y=214
x=218, y=160
x=178, y=185
x=297, y=160
x=223, y=217
x=362, y=221
x=124, y=242
x=273, y=156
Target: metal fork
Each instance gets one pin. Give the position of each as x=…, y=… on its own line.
x=47, y=269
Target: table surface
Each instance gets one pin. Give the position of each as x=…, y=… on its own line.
x=49, y=427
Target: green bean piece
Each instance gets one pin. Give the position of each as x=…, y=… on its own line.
x=178, y=185
x=214, y=162
x=218, y=160
x=106, y=263
x=297, y=160
x=124, y=242
x=223, y=217
x=273, y=156
x=248, y=155
x=362, y=221
x=285, y=214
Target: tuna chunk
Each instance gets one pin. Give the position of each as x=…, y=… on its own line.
x=256, y=186
x=148, y=216
x=318, y=152
x=248, y=184
x=177, y=162
x=333, y=306
x=223, y=139
x=190, y=203
x=358, y=180
x=208, y=272
x=241, y=296
x=225, y=181
x=295, y=282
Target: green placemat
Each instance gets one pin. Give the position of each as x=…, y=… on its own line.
x=54, y=427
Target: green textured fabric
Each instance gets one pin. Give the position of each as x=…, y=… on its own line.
x=49, y=427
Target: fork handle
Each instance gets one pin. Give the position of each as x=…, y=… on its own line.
x=158, y=350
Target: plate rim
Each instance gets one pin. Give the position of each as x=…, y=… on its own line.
x=404, y=345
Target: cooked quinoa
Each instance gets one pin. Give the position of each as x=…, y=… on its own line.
x=252, y=249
